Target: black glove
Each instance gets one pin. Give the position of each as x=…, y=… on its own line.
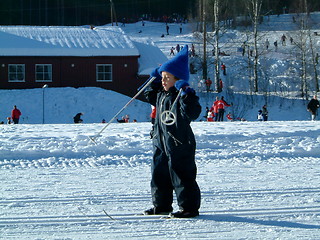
x=184, y=85
x=156, y=83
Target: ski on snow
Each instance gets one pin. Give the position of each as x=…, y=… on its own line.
x=136, y=216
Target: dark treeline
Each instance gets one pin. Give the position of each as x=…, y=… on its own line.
x=81, y=12
x=230, y=9
x=98, y=12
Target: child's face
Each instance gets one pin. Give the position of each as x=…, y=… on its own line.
x=168, y=80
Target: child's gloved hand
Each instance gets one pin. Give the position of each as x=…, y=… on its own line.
x=156, y=83
x=181, y=84
x=184, y=85
x=155, y=73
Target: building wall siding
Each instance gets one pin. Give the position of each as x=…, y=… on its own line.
x=75, y=72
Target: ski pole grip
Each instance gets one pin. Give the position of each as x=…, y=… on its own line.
x=146, y=83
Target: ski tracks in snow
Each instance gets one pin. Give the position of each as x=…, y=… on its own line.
x=257, y=182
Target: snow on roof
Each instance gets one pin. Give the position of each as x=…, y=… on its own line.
x=65, y=41
x=150, y=57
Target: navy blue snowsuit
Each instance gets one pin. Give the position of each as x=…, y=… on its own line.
x=173, y=167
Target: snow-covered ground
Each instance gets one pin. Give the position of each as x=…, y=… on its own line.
x=259, y=180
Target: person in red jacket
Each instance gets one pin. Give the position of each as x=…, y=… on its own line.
x=221, y=106
x=214, y=108
x=224, y=69
x=208, y=83
x=15, y=114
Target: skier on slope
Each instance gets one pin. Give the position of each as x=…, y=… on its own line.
x=173, y=167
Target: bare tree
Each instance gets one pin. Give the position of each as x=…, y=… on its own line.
x=254, y=11
x=306, y=51
x=314, y=61
x=205, y=15
x=216, y=45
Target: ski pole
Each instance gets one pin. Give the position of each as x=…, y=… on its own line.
x=93, y=138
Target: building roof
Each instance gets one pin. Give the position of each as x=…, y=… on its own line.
x=65, y=41
x=150, y=57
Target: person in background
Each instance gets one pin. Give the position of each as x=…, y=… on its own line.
x=265, y=113
x=229, y=116
x=127, y=118
x=222, y=104
x=207, y=114
x=220, y=85
x=210, y=117
x=214, y=108
x=193, y=51
x=15, y=115
x=313, y=106
x=224, y=69
x=208, y=83
x=172, y=51
x=122, y=120
x=178, y=48
x=77, y=118
x=260, y=117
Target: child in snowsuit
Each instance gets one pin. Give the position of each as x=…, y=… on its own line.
x=173, y=167
x=210, y=117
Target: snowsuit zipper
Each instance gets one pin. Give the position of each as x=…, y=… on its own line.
x=176, y=141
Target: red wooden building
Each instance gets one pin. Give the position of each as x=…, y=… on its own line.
x=105, y=57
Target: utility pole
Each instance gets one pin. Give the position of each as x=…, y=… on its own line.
x=21, y=6
x=199, y=27
x=217, y=32
x=113, y=13
x=204, y=64
x=46, y=12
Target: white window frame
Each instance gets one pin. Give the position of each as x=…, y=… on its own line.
x=101, y=76
x=43, y=73
x=15, y=73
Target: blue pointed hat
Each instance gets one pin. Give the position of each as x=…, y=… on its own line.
x=178, y=65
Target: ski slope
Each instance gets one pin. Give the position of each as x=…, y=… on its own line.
x=259, y=180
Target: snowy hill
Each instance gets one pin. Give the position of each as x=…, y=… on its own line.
x=62, y=104
x=282, y=76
